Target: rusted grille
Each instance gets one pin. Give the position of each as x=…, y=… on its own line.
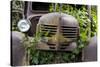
x=67, y=32
x=70, y=32
x=50, y=29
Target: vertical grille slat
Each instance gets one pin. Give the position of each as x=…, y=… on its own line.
x=49, y=30
x=67, y=31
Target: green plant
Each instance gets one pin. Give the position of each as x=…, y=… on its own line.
x=16, y=13
x=44, y=57
x=30, y=45
x=80, y=12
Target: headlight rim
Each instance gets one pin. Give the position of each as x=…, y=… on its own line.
x=26, y=21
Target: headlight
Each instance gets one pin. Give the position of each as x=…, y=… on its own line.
x=24, y=25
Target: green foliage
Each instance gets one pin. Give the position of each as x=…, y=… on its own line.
x=44, y=57
x=94, y=20
x=30, y=45
x=16, y=13
x=80, y=12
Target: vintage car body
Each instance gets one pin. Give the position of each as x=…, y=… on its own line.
x=54, y=21
x=90, y=51
x=63, y=32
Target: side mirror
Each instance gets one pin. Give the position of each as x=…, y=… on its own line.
x=24, y=25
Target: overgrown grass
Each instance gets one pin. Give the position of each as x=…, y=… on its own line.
x=48, y=57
